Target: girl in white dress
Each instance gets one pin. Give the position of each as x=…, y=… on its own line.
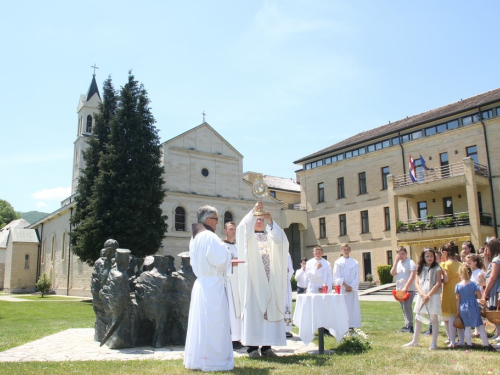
x=428, y=301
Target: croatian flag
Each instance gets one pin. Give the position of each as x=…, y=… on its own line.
x=413, y=170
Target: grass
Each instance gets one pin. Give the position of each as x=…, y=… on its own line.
x=22, y=322
x=48, y=298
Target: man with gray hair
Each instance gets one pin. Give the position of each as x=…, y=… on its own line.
x=208, y=340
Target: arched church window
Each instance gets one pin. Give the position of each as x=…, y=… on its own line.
x=228, y=216
x=89, y=124
x=180, y=219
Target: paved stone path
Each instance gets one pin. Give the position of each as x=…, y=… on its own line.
x=78, y=344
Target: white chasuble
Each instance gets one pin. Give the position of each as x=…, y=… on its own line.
x=263, y=282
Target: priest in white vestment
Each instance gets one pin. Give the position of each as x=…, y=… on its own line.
x=318, y=272
x=208, y=340
x=233, y=296
x=345, y=273
x=263, y=246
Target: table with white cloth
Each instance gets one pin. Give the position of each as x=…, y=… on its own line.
x=313, y=311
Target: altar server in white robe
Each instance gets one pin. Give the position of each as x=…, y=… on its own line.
x=318, y=272
x=233, y=296
x=262, y=280
x=288, y=299
x=208, y=340
x=345, y=273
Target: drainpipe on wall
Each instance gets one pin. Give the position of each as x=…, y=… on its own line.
x=69, y=251
x=39, y=258
x=489, y=174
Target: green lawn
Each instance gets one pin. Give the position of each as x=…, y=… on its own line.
x=23, y=322
x=48, y=298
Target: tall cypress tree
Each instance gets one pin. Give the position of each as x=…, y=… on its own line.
x=123, y=180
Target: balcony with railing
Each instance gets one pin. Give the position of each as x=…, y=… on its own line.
x=430, y=175
x=441, y=221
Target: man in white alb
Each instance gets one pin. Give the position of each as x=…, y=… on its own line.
x=208, y=340
x=233, y=296
x=263, y=246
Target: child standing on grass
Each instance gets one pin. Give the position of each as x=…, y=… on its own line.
x=478, y=276
x=428, y=301
x=467, y=307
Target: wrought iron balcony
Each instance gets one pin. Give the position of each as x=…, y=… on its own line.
x=439, y=173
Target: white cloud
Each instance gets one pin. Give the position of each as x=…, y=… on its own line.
x=57, y=194
x=41, y=205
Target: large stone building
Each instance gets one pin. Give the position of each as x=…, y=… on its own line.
x=359, y=191
x=201, y=168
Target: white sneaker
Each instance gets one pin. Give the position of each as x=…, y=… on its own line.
x=447, y=342
x=496, y=346
x=433, y=347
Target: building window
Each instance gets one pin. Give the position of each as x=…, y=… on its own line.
x=204, y=172
x=342, y=225
x=422, y=211
x=89, y=124
x=389, y=257
x=53, y=249
x=340, y=188
x=228, y=216
x=26, y=261
x=362, y=183
x=387, y=218
x=43, y=252
x=321, y=192
x=272, y=193
x=63, y=252
x=472, y=153
x=322, y=227
x=365, y=225
x=180, y=219
x=385, y=173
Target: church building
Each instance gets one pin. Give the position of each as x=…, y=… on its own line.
x=200, y=168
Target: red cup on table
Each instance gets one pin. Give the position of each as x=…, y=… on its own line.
x=337, y=289
x=324, y=289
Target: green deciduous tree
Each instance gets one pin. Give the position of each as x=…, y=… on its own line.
x=43, y=284
x=121, y=188
x=7, y=213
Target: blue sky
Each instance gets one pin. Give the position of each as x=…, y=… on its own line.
x=278, y=80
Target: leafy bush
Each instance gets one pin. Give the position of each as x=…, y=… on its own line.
x=400, y=225
x=419, y=224
x=431, y=225
x=430, y=217
x=369, y=277
x=439, y=222
x=354, y=342
x=448, y=221
x=384, y=274
x=463, y=216
x=411, y=226
x=293, y=281
x=43, y=284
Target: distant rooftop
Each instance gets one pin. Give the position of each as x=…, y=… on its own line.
x=393, y=127
x=281, y=183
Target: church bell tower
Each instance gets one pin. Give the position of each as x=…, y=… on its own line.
x=87, y=107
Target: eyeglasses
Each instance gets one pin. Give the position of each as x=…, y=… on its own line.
x=215, y=218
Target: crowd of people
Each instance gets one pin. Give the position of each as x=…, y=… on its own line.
x=450, y=288
x=242, y=296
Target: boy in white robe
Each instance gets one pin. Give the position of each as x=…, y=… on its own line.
x=208, y=340
x=318, y=272
x=345, y=273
